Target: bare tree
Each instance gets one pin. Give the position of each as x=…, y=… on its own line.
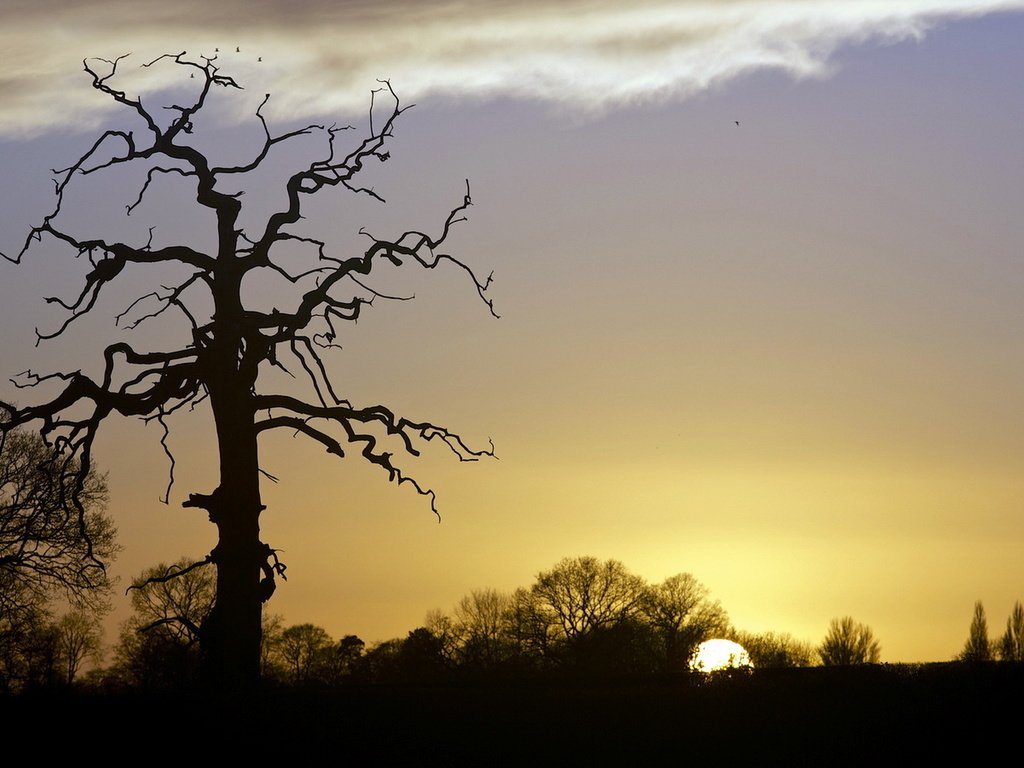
x=775, y=649
x=229, y=341
x=585, y=594
x=177, y=597
x=51, y=540
x=157, y=646
x=478, y=617
x=682, y=612
x=303, y=649
x=849, y=642
x=78, y=638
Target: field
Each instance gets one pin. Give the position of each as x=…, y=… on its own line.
x=886, y=714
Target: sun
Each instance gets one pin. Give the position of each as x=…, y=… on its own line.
x=719, y=654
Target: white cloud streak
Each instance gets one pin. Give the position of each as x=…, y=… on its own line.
x=322, y=56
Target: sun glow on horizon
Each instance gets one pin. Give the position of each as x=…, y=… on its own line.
x=718, y=654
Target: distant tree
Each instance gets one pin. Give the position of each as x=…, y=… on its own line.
x=848, y=642
x=273, y=626
x=178, y=597
x=79, y=635
x=380, y=662
x=304, y=650
x=55, y=538
x=478, y=623
x=682, y=613
x=443, y=628
x=421, y=656
x=1011, y=645
x=978, y=647
x=775, y=649
x=159, y=643
x=585, y=594
x=28, y=649
x=528, y=628
x=349, y=655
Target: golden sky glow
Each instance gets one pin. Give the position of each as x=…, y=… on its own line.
x=784, y=356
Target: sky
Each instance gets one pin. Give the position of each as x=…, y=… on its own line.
x=782, y=355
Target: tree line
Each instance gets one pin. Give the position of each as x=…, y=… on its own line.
x=583, y=615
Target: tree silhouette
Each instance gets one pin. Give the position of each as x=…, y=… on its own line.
x=682, y=612
x=1011, y=645
x=775, y=649
x=978, y=646
x=54, y=534
x=302, y=649
x=79, y=637
x=228, y=340
x=848, y=642
x=158, y=642
x=584, y=594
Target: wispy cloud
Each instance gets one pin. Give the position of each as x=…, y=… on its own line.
x=322, y=56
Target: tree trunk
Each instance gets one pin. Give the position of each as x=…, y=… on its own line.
x=231, y=635
x=230, y=640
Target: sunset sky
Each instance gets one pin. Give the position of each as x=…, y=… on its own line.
x=784, y=355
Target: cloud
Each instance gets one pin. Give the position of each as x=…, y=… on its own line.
x=323, y=56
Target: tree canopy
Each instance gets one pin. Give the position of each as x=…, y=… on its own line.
x=55, y=535
x=849, y=642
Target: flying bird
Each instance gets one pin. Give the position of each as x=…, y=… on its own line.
x=237, y=49
x=736, y=121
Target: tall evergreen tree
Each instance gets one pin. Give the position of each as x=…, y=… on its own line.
x=978, y=647
x=1011, y=647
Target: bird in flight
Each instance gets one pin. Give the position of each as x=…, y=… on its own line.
x=736, y=121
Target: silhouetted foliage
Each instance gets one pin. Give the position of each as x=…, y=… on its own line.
x=682, y=613
x=348, y=657
x=79, y=637
x=770, y=650
x=421, y=657
x=55, y=538
x=381, y=661
x=584, y=593
x=228, y=339
x=528, y=630
x=479, y=626
x=1011, y=645
x=306, y=654
x=848, y=642
x=28, y=650
x=582, y=616
x=978, y=647
x=273, y=626
x=159, y=642
x=38, y=651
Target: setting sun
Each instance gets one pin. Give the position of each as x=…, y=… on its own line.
x=719, y=654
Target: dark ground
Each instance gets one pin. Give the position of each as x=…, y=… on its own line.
x=885, y=714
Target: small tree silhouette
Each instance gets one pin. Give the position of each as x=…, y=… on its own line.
x=978, y=647
x=848, y=642
x=1011, y=646
x=229, y=341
